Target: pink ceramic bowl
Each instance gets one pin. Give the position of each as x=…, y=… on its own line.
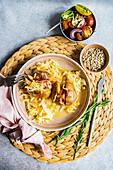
x=60, y=122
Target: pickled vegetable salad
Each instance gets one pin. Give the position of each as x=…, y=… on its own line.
x=50, y=89
x=78, y=23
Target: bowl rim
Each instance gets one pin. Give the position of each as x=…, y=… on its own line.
x=85, y=49
x=18, y=109
x=70, y=38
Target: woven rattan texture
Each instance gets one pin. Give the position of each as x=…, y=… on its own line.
x=104, y=120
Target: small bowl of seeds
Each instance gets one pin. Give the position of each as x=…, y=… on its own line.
x=94, y=58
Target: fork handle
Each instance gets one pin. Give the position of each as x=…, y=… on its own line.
x=1, y=84
x=92, y=126
x=53, y=27
x=1, y=81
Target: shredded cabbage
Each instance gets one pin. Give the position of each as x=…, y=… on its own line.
x=41, y=109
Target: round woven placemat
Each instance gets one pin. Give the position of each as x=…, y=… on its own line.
x=104, y=120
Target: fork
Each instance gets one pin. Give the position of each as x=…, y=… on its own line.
x=11, y=80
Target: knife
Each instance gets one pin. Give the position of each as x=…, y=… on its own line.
x=100, y=85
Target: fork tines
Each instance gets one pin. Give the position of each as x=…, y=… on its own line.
x=11, y=80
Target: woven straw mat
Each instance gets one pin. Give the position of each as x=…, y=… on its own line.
x=104, y=120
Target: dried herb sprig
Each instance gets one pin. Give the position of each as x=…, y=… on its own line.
x=79, y=138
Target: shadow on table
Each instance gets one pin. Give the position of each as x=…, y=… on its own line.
x=55, y=18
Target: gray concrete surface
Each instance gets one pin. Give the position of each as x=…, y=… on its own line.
x=22, y=21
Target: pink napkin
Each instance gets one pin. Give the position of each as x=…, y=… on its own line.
x=12, y=123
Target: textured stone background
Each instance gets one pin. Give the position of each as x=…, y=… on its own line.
x=22, y=21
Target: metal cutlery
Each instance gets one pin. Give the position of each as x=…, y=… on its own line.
x=100, y=85
x=53, y=27
x=11, y=80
